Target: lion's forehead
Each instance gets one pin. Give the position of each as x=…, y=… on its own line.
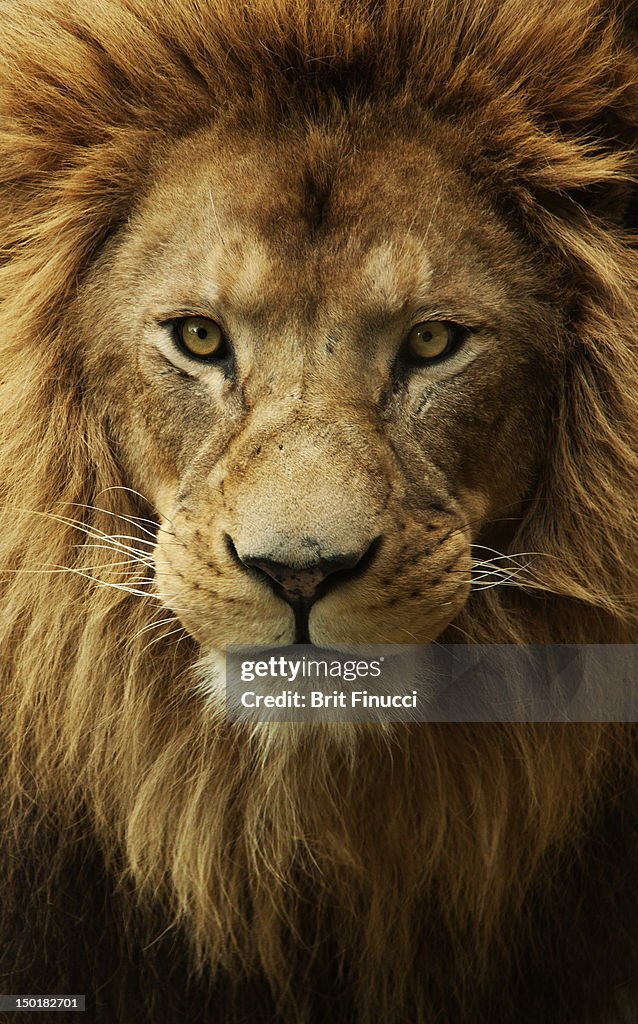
x=342, y=283
x=260, y=230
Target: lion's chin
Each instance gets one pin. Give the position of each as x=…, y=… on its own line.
x=210, y=675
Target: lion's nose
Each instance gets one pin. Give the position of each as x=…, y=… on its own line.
x=302, y=579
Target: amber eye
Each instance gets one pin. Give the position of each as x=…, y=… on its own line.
x=201, y=337
x=433, y=339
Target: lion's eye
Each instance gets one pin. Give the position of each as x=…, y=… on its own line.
x=201, y=337
x=433, y=339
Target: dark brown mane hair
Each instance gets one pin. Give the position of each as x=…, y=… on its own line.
x=99, y=742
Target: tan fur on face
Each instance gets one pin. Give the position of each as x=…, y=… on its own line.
x=351, y=193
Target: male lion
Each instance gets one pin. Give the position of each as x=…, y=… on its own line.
x=318, y=322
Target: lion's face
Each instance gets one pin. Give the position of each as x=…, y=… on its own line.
x=369, y=393
x=375, y=325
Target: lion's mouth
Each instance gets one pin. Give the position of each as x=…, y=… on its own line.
x=301, y=603
x=301, y=607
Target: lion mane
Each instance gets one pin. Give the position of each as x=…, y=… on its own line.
x=160, y=860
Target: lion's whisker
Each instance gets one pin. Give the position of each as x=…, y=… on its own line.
x=154, y=625
x=125, y=537
x=140, y=557
x=138, y=494
x=90, y=531
x=115, y=586
x=486, y=570
x=112, y=565
x=116, y=541
x=514, y=554
x=132, y=520
x=44, y=569
x=55, y=569
x=150, y=627
x=165, y=636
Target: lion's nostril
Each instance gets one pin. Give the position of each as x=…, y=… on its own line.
x=299, y=582
x=295, y=579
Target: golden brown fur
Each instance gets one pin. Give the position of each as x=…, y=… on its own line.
x=418, y=870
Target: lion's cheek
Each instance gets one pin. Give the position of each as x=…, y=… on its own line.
x=219, y=608
x=394, y=616
x=217, y=622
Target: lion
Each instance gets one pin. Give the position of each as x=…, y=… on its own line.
x=319, y=325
